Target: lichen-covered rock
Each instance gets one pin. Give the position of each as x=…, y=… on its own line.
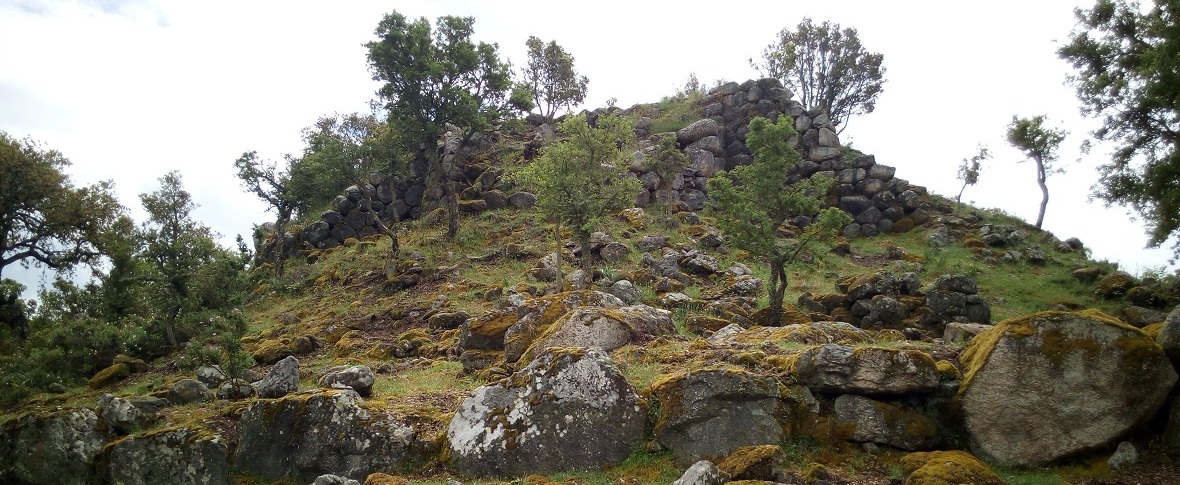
x=835, y=368
x=958, y=333
x=947, y=468
x=709, y=414
x=1114, y=285
x=606, y=328
x=386, y=479
x=359, y=378
x=210, y=375
x=626, y=291
x=1053, y=384
x=179, y=456
x=61, y=445
x=880, y=422
x=323, y=431
x=447, y=320
x=570, y=409
x=537, y=314
x=282, y=379
x=119, y=414
x=329, y=479
x=187, y=391
x=109, y=375
x=816, y=333
x=760, y=462
x=703, y=472
x=1169, y=335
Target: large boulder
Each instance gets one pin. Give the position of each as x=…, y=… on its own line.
x=282, y=379
x=873, y=421
x=359, y=378
x=709, y=414
x=1169, y=337
x=317, y=432
x=570, y=409
x=179, y=456
x=61, y=445
x=606, y=328
x=536, y=315
x=1053, y=384
x=841, y=369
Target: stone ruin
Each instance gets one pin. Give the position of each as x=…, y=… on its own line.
x=878, y=201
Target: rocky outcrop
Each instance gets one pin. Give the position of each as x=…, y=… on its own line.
x=605, y=328
x=709, y=414
x=61, y=445
x=1053, y=384
x=323, y=431
x=282, y=379
x=879, y=422
x=180, y=456
x=570, y=409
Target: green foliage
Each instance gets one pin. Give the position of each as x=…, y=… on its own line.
x=273, y=185
x=44, y=219
x=1039, y=143
x=551, y=78
x=666, y=159
x=438, y=76
x=969, y=171
x=582, y=176
x=827, y=67
x=341, y=150
x=753, y=202
x=1128, y=73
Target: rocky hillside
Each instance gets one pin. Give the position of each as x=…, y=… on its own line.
x=933, y=344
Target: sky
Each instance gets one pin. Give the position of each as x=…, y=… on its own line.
x=131, y=89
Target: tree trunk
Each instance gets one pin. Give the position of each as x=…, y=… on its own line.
x=281, y=244
x=587, y=259
x=776, y=291
x=959, y=198
x=1044, y=192
x=170, y=328
x=451, y=203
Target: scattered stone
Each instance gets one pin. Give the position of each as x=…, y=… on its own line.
x=110, y=375
x=186, y=391
x=604, y=328
x=568, y=399
x=1125, y=455
x=626, y=291
x=1114, y=285
x=760, y=462
x=282, y=379
x=959, y=333
x=210, y=375
x=119, y=414
x=613, y=252
x=235, y=389
x=652, y=242
x=447, y=320
x=329, y=479
x=1085, y=380
x=359, y=378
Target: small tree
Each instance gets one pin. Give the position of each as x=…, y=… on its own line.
x=754, y=201
x=827, y=68
x=666, y=160
x=1039, y=143
x=273, y=185
x=969, y=172
x=551, y=78
x=581, y=177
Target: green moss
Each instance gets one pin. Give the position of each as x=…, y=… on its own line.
x=947, y=468
x=752, y=460
x=110, y=375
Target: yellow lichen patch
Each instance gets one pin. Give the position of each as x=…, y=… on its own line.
x=271, y=351
x=1153, y=330
x=383, y=479
x=493, y=325
x=947, y=370
x=753, y=462
x=947, y=468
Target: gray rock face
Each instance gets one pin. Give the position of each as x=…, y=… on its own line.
x=608, y=329
x=835, y=368
x=626, y=291
x=61, y=445
x=884, y=423
x=1053, y=384
x=1125, y=455
x=179, y=456
x=1169, y=337
x=566, y=410
x=957, y=333
x=703, y=472
x=119, y=414
x=357, y=377
x=211, y=376
x=282, y=379
x=709, y=414
x=697, y=131
x=334, y=480
x=323, y=431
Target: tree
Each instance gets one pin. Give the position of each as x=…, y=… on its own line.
x=274, y=186
x=827, y=67
x=581, y=177
x=1039, y=143
x=551, y=78
x=435, y=77
x=1128, y=73
x=44, y=219
x=754, y=202
x=177, y=247
x=969, y=171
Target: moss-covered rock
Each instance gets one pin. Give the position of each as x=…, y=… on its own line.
x=355, y=345
x=61, y=445
x=760, y=462
x=1049, y=385
x=605, y=328
x=873, y=421
x=110, y=375
x=537, y=314
x=947, y=468
x=384, y=479
x=172, y=455
x=1114, y=285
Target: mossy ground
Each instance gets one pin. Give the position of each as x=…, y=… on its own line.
x=345, y=291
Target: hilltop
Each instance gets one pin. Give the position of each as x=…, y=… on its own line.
x=927, y=326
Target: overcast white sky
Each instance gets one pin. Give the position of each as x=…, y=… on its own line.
x=130, y=89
